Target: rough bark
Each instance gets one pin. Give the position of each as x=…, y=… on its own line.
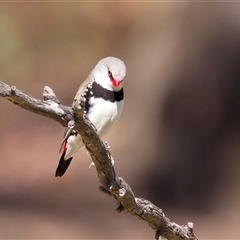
x=111, y=183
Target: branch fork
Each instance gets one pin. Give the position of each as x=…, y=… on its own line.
x=111, y=184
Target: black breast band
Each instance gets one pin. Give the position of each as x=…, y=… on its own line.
x=97, y=91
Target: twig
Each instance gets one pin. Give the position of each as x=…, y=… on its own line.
x=111, y=183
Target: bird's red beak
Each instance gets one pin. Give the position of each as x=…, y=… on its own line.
x=116, y=82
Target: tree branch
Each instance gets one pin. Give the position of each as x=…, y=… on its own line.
x=112, y=184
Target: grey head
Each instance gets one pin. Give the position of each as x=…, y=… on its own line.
x=110, y=73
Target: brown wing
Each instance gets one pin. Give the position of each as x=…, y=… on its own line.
x=82, y=88
x=77, y=97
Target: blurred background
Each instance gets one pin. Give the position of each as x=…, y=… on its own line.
x=177, y=142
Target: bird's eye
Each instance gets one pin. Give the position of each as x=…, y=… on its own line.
x=110, y=75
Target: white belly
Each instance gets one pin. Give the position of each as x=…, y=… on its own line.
x=105, y=114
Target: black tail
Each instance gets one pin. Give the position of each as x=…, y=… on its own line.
x=62, y=166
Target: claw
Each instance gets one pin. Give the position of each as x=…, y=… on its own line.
x=92, y=164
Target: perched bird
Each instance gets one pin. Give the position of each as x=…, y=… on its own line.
x=103, y=93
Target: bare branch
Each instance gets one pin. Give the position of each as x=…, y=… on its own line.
x=50, y=108
x=112, y=184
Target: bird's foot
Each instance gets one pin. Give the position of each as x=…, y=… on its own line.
x=90, y=166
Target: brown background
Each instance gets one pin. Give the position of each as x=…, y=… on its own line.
x=177, y=142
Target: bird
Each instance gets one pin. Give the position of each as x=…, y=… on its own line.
x=104, y=100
